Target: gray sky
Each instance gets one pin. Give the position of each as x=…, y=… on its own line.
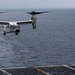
x=4, y=4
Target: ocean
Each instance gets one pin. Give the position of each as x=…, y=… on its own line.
x=51, y=43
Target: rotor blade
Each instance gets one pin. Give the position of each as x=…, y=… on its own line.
x=33, y=12
x=2, y=12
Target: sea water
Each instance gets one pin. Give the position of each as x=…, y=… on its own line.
x=51, y=43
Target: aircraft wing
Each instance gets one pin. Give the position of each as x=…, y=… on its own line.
x=4, y=23
x=25, y=22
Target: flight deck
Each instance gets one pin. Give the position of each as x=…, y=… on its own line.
x=39, y=70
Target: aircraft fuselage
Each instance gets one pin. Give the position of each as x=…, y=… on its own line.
x=11, y=28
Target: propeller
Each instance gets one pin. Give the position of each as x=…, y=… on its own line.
x=2, y=12
x=36, y=13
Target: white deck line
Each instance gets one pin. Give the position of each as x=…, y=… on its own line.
x=42, y=71
x=35, y=66
x=5, y=72
x=69, y=67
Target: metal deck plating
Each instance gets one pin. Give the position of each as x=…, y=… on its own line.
x=39, y=70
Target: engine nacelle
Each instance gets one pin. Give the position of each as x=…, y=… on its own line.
x=34, y=25
x=33, y=13
x=34, y=21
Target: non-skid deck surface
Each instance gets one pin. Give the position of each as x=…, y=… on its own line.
x=54, y=70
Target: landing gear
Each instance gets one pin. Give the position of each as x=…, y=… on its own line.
x=4, y=33
x=16, y=33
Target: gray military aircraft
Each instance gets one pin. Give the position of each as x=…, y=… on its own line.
x=14, y=27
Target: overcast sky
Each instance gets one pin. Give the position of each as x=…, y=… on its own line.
x=9, y=4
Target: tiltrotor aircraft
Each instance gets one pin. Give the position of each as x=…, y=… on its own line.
x=14, y=27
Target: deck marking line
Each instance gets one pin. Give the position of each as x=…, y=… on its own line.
x=42, y=71
x=4, y=71
x=69, y=67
